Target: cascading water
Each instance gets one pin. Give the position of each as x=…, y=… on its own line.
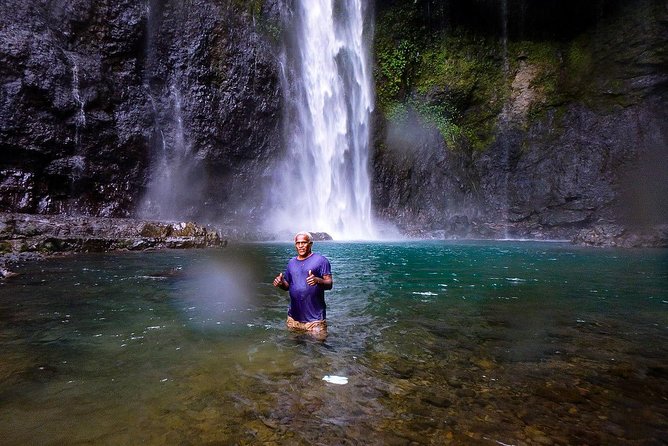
x=79, y=119
x=323, y=182
x=173, y=189
x=504, y=119
x=176, y=177
x=78, y=160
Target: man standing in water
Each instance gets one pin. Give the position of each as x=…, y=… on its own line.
x=306, y=277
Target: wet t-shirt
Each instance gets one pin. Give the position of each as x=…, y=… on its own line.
x=307, y=303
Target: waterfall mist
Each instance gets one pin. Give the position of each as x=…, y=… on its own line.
x=322, y=184
x=78, y=160
x=177, y=177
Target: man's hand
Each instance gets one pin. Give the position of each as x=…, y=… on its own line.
x=325, y=281
x=312, y=280
x=279, y=282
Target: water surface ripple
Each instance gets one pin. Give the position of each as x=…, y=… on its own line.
x=441, y=343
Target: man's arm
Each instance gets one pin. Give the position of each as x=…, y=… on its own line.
x=327, y=282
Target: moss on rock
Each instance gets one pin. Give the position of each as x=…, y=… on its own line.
x=453, y=81
x=5, y=247
x=462, y=82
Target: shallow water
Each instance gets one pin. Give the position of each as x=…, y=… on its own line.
x=441, y=343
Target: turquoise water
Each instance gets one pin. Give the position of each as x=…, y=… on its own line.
x=441, y=342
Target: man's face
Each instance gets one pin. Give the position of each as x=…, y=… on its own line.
x=303, y=246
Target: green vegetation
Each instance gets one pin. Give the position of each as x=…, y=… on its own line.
x=440, y=115
x=397, y=49
x=266, y=26
x=464, y=76
x=5, y=247
x=565, y=72
x=252, y=7
x=394, y=65
x=452, y=81
x=271, y=29
x=458, y=82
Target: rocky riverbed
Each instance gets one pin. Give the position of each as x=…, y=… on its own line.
x=27, y=237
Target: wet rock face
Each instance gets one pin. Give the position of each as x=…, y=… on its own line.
x=87, y=88
x=59, y=115
x=560, y=183
x=89, y=92
x=560, y=160
x=546, y=19
x=541, y=183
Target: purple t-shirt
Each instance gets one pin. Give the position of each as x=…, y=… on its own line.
x=307, y=303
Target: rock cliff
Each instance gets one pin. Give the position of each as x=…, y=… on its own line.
x=494, y=118
x=540, y=125
x=90, y=91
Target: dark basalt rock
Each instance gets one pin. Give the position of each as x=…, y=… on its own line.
x=554, y=189
x=87, y=94
x=588, y=159
x=321, y=236
x=27, y=237
x=620, y=236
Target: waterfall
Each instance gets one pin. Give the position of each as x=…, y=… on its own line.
x=77, y=161
x=79, y=120
x=323, y=182
x=175, y=183
x=176, y=177
x=504, y=35
x=504, y=121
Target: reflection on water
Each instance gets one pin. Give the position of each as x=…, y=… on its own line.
x=441, y=343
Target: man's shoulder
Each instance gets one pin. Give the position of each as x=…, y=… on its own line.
x=319, y=257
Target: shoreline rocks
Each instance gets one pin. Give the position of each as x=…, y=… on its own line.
x=613, y=235
x=25, y=237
